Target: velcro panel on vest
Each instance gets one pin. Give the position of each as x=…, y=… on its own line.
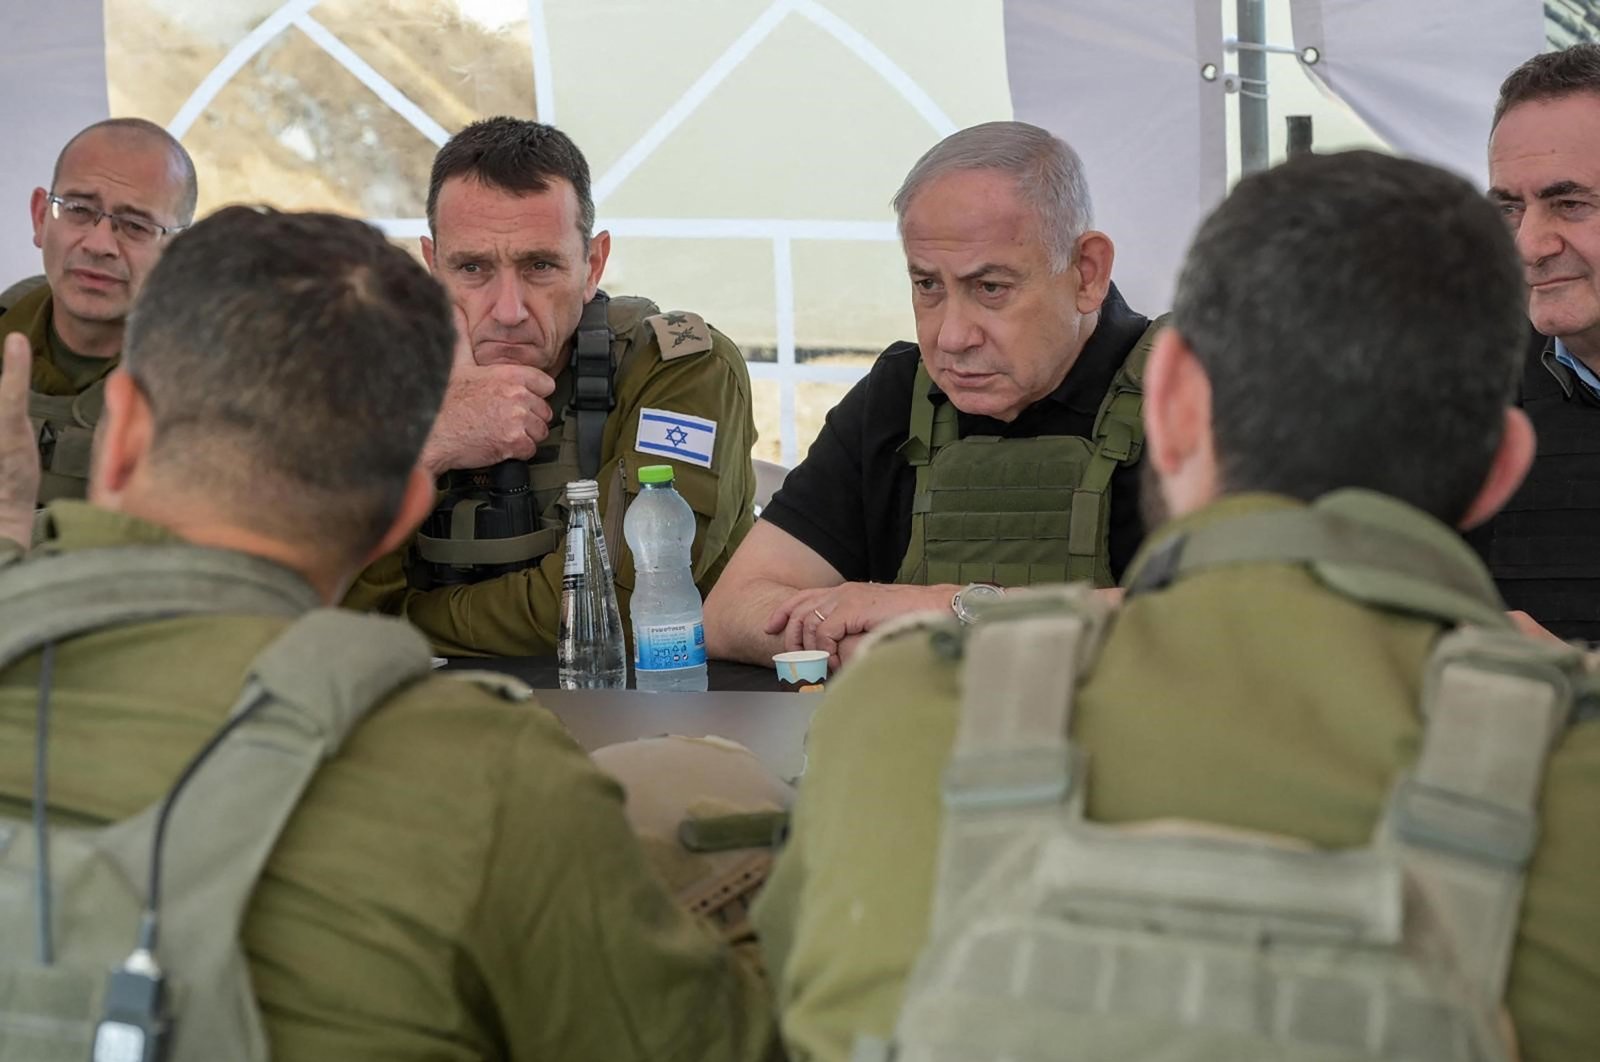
x=1011, y=758
x=1127, y=944
x=1238, y=887
x=1025, y=993
x=1466, y=817
x=1000, y=510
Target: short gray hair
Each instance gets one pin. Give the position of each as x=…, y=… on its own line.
x=1048, y=173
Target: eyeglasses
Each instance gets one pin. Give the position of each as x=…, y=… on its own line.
x=81, y=215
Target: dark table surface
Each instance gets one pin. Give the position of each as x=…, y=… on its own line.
x=742, y=705
x=540, y=672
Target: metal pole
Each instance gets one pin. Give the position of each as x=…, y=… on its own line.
x=1252, y=15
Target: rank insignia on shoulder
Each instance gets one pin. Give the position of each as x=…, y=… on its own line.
x=663, y=433
x=680, y=334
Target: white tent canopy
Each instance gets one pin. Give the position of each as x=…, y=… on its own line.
x=744, y=151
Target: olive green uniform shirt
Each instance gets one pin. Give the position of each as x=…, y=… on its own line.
x=57, y=370
x=1251, y=696
x=458, y=883
x=518, y=614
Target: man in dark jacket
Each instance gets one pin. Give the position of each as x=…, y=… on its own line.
x=1544, y=171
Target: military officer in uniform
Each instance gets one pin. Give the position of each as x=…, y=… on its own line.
x=121, y=187
x=456, y=880
x=1328, y=406
x=1001, y=449
x=554, y=381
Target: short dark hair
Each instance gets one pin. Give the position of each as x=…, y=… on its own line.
x=517, y=156
x=294, y=364
x=141, y=127
x=1549, y=76
x=1361, y=320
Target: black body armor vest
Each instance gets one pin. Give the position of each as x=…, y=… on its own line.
x=1544, y=547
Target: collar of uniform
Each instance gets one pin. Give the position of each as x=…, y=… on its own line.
x=31, y=317
x=57, y=368
x=1585, y=376
x=70, y=526
x=1086, y=383
x=1226, y=508
x=1480, y=601
x=80, y=371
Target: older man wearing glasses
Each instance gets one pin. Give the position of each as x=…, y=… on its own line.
x=120, y=188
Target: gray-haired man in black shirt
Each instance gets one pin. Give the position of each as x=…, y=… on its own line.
x=999, y=450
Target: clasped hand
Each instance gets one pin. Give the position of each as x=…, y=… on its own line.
x=836, y=618
x=491, y=413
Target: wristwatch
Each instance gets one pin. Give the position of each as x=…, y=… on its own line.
x=963, y=600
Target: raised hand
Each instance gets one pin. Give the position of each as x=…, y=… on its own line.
x=19, y=447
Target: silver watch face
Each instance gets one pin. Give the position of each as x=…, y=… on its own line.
x=971, y=595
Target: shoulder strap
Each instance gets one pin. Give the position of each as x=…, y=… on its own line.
x=932, y=428
x=1024, y=659
x=581, y=451
x=13, y=295
x=308, y=689
x=50, y=598
x=1118, y=440
x=1379, y=565
x=1465, y=819
x=594, y=393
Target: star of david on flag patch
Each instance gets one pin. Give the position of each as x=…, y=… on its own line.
x=663, y=433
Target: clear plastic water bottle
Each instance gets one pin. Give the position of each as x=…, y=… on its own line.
x=669, y=637
x=590, y=651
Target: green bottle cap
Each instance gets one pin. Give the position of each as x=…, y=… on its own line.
x=655, y=474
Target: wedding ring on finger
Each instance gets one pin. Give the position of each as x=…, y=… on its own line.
x=820, y=617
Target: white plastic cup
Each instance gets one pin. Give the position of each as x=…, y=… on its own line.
x=801, y=668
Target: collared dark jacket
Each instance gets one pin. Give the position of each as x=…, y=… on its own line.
x=1544, y=547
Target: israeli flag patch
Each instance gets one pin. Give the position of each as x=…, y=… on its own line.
x=679, y=436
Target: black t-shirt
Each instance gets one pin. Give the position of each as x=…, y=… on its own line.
x=850, y=499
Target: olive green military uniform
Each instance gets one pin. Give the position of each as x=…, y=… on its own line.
x=458, y=883
x=66, y=399
x=706, y=378
x=1253, y=696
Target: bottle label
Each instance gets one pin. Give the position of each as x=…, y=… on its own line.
x=669, y=646
x=575, y=550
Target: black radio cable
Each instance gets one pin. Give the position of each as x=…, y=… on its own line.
x=134, y=1024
